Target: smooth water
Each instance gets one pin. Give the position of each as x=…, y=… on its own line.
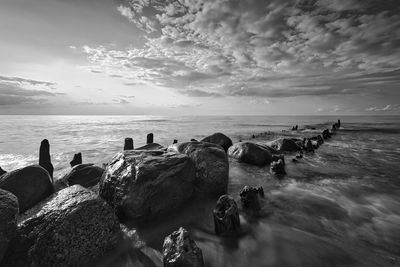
x=337, y=207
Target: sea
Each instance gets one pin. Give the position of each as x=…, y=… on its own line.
x=339, y=206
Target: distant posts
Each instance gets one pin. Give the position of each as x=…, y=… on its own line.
x=226, y=217
x=128, y=145
x=44, y=157
x=76, y=160
x=150, y=138
x=175, y=141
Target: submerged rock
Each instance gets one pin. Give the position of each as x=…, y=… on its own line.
x=8, y=221
x=219, y=139
x=30, y=185
x=142, y=184
x=285, y=145
x=278, y=167
x=76, y=160
x=249, y=197
x=71, y=228
x=226, y=216
x=2, y=171
x=180, y=250
x=212, y=166
x=86, y=175
x=250, y=153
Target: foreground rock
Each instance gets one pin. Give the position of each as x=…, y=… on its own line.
x=180, y=250
x=226, y=217
x=212, y=167
x=8, y=221
x=250, y=153
x=86, y=175
x=219, y=139
x=71, y=228
x=285, y=145
x=145, y=184
x=30, y=185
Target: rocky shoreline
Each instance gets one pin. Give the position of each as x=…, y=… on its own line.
x=79, y=218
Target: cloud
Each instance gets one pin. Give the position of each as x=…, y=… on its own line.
x=200, y=93
x=387, y=108
x=22, y=81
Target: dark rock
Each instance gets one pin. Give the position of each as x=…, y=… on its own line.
x=142, y=184
x=338, y=123
x=2, y=171
x=277, y=157
x=253, y=136
x=86, y=175
x=294, y=160
x=128, y=144
x=326, y=134
x=175, y=141
x=73, y=227
x=285, y=145
x=226, y=216
x=150, y=138
x=30, y=185
x=249, y=196
x=212, y=166
x=278, y=167
x=320, y=140
x=219, y=139
x=8, y=221
x=44, y=157
x=193, y=140
x=76, y=160
x=180, y=250
x=151, y=146
x=250, y=153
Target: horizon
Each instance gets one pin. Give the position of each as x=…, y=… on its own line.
x=252, y=57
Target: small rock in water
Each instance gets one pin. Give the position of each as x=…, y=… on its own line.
x=175, y=141
x=180, y=250
x=249, y=196
x=2, y=171
x=128, y=145
x=76, y=160
x=193, y=140
x=150, y=138
x=226, y=216
x=44, y=157
x=277, y=157
x=278, y=167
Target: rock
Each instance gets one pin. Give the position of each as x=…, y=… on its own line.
x=219, y=139
x=73, y=227
x=175, y=141
x=226, y=216
x=128, y=144
x=284, y=145
x=76, y=160
x=86, y=175
x=250, y=153
x=8, y=222
x=338, y=123
x=150, y=138
x=308, y=146
x=2, y=171
x=142, y=184
x=278, y=157
x=180, y=250
x=278, y=167
x=30, y=185
x=212, y=166
x=249, y=197
x=151, y=146
x=193, y=140
x=44, y=157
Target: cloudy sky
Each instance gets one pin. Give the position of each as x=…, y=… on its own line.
x=185, y=57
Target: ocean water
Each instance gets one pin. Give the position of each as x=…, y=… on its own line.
x=337, y=207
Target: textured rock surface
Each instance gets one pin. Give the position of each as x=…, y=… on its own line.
x=30, y=185
x=219, y=139
x=212, y=166
x=250, y=153
x=284, y=145
x=8, y=221
x=144, y=184
x=249, y=197
x=86, y=175
x=72, y=227
x=180, y=250
x=226, y=216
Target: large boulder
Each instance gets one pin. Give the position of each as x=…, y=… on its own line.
x=212, y=166
x=285, y=145
x=8, y=221
x=250, y=153
x=144, y=184
x=73, y=227
x=86, y=175
x=30, y=185
x=219, y=139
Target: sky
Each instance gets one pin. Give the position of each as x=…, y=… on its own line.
x=200, y=57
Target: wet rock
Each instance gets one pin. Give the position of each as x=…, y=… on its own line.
x=73, y=227
x=86, y=175
x=8, y=221
x=76, y=160
x=151, y=146
x=30, y=185
x=150, y=138
x=212, y=166
x=219, y=139
x=180, y=250
x=250, y=153
x=226, y=216
x=128, y=144
x=2, y=171
x=249, y=197
x=278, y=167
x=142, y=184
x=285, y=145
x=44, y=157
